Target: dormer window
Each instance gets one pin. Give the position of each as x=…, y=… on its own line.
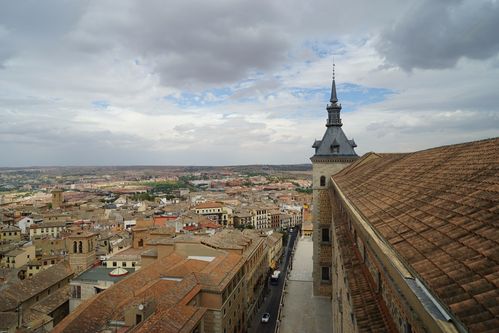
x=335, y=149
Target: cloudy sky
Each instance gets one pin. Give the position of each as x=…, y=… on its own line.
x=240, y=82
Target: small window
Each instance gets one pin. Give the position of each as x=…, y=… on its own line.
x=325, y=235
x=323, y=181
x=325, y=274
x=114, y=263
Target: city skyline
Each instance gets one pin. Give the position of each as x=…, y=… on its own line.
x=227, y=83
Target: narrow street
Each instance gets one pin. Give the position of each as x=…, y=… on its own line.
x=302, y=311
x=271, y=303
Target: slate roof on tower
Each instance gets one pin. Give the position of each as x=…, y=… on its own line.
x=334, y=143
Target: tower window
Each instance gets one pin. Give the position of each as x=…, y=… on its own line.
x=325, y=273
x=325, y=235
x=323, y=181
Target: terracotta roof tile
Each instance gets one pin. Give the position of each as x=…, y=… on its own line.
x=439, y=208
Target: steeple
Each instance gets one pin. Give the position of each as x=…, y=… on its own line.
x=334, y=143
x=334, y=97
x=334, y=108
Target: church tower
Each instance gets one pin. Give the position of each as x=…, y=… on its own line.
x=333, y=153
x=81, y=249
x=57, y=198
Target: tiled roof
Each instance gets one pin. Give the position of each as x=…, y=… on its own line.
x=50, y=224
x=93, y=315
x=53, y=301
x=8, y=319
x=8, y=227
x=226, y=239
x=169, y=283
x=439, y=209
x=181, y=318
x=208, y=205
x=24, y=290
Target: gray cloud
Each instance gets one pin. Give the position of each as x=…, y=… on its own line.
x=436, y=34
x=59, y=57
x=189, y=43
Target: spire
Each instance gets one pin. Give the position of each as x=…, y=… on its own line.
x=334, y=97
x=334, y=108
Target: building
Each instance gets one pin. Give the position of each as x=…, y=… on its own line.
x=332, y=153
x=18, y=257
x=93, y=281
x=24, y=223
x=37, y=303
x=215, y=211
x=285, y=221
x=37, y=265
x=183, y=291
x=253, y=247
x=128, y=258
x=260, y=218
x=242, y=218
x=57, y=198
x=81, y=249
x=275, y=218
x=9, y=233
x=415, y=241
x=53, y=229
x=274, y=244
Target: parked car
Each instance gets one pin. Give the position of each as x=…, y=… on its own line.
x=266, y=317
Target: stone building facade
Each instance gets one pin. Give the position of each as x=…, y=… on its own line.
x=81, y=248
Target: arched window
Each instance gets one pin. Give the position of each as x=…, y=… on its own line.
x=74, y=247
x=141, y=243
x=80, y=247
x=323, y=181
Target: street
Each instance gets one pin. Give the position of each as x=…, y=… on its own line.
x=271, y=303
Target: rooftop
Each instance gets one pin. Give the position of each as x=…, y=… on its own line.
x=438, y=208
x=23, y=290
x=208, y=205
x=100, y=273
x=170, y=283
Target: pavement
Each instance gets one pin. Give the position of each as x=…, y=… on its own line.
x=302, y=312
x=272, y=299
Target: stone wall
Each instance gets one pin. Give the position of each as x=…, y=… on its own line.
x=321, y=218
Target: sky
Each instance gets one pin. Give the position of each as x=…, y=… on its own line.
x=227, y=82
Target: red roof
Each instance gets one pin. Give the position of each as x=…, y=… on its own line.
x=209, y=205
